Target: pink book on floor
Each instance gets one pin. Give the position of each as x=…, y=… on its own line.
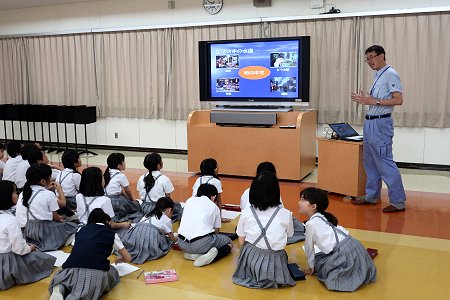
x=160, y=276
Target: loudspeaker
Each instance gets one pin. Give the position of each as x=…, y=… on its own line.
x=243, y=118
x=262, y=3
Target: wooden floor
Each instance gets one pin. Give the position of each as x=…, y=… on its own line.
x=413, y=260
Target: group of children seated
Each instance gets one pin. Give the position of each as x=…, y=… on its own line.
x=44, y=207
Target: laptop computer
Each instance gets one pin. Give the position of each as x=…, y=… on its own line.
x=346, y=132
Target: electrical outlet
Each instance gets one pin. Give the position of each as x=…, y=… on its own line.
x=116, y=135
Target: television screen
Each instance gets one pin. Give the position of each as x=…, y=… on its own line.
x=274, y=69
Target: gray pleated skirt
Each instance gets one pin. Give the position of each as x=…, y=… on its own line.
x=346, y=268
x=262, y=268
x=85, y=284
x=203, y=245
x=71, y=203
x=20, y=269
x=125, y=209
x=48, y=235
x=145, y=242
x=299, y=232
x=148, y=206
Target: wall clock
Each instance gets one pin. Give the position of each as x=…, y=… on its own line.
x=212, y=7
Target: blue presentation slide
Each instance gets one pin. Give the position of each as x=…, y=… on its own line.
x=255, y=69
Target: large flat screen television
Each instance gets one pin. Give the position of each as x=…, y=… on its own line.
x=256, y=70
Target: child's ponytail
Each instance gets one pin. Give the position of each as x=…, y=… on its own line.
x=320, y=199
x=151, y=162
x=27, y=192
x=113, y=161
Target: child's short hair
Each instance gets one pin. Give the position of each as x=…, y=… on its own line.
x=207, y=166
x=97, y=215
x=28, y=149
x=2, y=146
x=13, y=149
x=70, y=158
x=265, y=191
x=91, y=182
x=207, y=190
x=7, y=188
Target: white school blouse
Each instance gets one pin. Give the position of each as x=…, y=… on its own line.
x=21, y=170
x=164, y=223
x=70, y=182
x=206, y=179
x=162, y=186
x=9, y=171
x=245, y=199
x=102, y=202
x=42, y=207
x=116, y=183
x=200, y=217
x=321, y=234
x=279, y=230
x=11, y=237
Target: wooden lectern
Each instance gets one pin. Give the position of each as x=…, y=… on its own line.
x=340, y=167
x=239, y=149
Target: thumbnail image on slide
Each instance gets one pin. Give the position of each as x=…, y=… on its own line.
x=283, y=84
x=227, y=61
x=227, y=85
x=283, y=59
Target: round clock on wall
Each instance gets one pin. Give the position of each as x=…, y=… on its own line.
x=212, y=7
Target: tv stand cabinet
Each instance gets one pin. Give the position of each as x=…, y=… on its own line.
x=239, y=150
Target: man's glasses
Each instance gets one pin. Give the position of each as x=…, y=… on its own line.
x=369, y=58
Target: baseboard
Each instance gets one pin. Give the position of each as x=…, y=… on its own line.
x=81, y=147
x=432, y=167
x=136, y=149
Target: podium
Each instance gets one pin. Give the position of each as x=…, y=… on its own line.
x=239, y=149
x=340, y=167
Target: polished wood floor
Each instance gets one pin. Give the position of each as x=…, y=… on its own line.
x=413, y=260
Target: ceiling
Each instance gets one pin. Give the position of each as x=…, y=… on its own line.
x=12, y=4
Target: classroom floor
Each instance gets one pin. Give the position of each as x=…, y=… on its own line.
x=414, y=246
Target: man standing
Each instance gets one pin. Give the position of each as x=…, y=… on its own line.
x=386, y=92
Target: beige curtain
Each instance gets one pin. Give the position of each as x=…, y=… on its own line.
x=13, y=79
x=418, y=47
x=61, y=70
x=333, y=64
x=133, y=73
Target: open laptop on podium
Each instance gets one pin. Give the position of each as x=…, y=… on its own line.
x=346, y=132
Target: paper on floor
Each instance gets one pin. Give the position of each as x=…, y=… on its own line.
x=228, y=214
x=125, y=269
x=61, y=257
